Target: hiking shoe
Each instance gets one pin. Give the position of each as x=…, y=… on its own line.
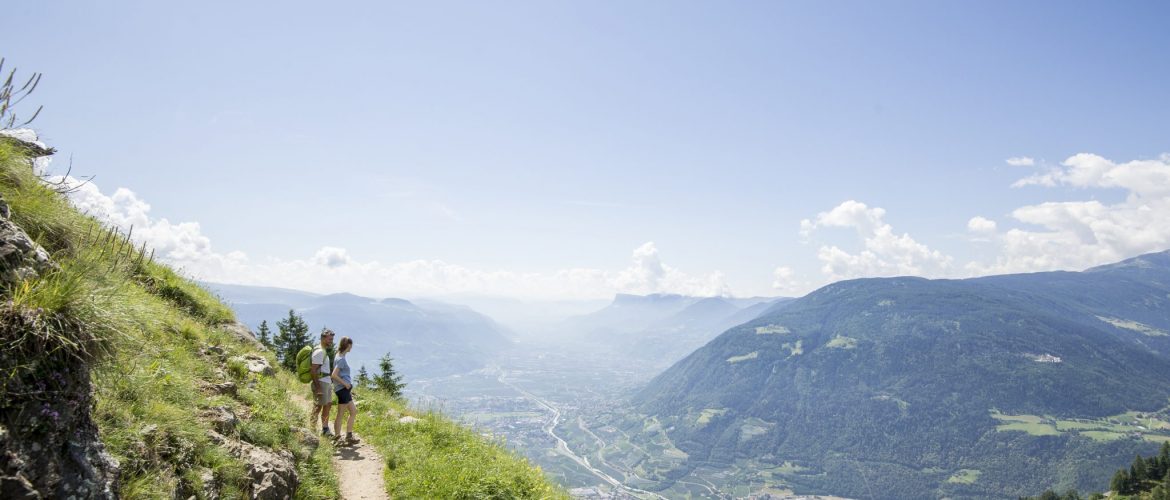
x=352, y=440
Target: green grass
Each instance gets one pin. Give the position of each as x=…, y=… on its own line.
x=964, y=476
x=1030, y=428
x=437, y=458
x=1103, y=435
x=141, y=326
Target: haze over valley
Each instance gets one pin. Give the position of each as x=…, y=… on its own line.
x=876, y=388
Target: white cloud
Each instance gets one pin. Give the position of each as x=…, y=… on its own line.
x=1080, y=234
x=884, y=253
x=332, y=269
x=331, y=257
x=981, y=226
x=785, y=282
x=1021, y=161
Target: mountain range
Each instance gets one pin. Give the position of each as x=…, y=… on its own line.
x=913, y=388
x=425, y=338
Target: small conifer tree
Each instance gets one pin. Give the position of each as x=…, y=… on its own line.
x=264, y=335
x=363, y=377
x=294, y=334
x=389, y=380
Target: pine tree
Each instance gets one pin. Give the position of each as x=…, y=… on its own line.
x=389, y=380
x=1137, y=472
x=1120, y=482
x=363, y=377
x=264, y=335
x=294, y=334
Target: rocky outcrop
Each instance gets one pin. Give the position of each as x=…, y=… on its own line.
x=49, y=446
x=242, y=332
x=273, y=474
x=255, y=364
x=20, y=257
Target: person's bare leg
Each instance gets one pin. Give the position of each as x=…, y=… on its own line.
x=325, y=416
x=337, y=420
x=352, y=416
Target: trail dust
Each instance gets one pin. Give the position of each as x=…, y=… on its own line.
x=359, y=467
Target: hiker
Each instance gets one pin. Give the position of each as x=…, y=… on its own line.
x=344, y=384
x=322, y=385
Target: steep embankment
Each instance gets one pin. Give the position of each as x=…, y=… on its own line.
x=907, y=387
x=129, y=380
x=124, y=379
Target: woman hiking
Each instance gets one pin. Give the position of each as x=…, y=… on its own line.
x=344, y=384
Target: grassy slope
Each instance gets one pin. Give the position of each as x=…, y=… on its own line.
x=437, y=458
x=147, y=331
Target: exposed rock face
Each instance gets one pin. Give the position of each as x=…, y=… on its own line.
x=49, y=447
x=242, y=332
x=20, y=257
x=274, y=474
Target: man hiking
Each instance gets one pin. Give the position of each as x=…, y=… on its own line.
x=321, y=368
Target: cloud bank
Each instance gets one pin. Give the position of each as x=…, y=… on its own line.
x=1057, y=235
x=1064, y=235
x=1079, y=234
x=332, y=269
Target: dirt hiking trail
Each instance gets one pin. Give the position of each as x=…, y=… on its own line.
x=359, y=467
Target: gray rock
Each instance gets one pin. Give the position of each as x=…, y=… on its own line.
x=222, y=418
x=20, y=257
x=241, y=331
x=255, y=364
x=408, y=420
x=225, y=388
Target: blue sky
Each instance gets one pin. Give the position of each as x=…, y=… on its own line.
x=577, y=149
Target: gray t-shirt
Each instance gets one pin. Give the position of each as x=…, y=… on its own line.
x=343, y=370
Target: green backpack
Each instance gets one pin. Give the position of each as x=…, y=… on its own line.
x=305, y=364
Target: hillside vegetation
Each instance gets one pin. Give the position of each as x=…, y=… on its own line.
x=914, y=388
x=106, y=341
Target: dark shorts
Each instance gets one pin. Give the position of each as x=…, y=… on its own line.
x=343, y=396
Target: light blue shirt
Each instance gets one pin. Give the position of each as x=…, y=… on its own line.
x=343, y=370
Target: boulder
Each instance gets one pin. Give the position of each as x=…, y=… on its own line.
x=273, y=473
x=408, y=420
x=227, y=388
x=242, y=332
x=222, y=418
x=255, y=364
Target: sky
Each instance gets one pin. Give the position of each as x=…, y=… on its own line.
x=573, y=150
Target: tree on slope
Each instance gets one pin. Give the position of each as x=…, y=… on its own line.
x=363, y=377
x=388, y=380
x=294, y=334
x=264, y=335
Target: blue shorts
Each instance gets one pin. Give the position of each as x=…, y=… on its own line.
x=343, y=396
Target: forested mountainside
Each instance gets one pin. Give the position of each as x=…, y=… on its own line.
x=913, y=388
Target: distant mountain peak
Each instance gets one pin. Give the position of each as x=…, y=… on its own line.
x=1145, y=261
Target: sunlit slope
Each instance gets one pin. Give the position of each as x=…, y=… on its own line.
x=893, y=386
